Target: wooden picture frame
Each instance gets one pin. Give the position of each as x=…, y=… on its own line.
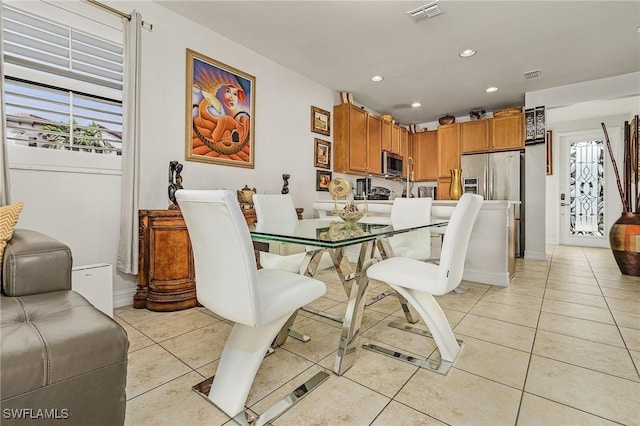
x=320, y=121
x=220, y=113
x=322, y=154
x=549, y=149
x=322, y=180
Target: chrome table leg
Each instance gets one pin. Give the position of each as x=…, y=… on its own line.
x=345, y=355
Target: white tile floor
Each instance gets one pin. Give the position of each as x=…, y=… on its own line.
x=559, y=346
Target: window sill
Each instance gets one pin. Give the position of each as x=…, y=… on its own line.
x=28, y=158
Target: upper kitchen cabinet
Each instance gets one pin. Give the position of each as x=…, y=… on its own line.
x=493, y=134
x=424, y=150
x=404, y=143
x=374, y=144
x=448, y=149
x=405, y=152
x=474, y=136
x=507, y=132
x=350, y=139
x=386, y=135
x=395, y=138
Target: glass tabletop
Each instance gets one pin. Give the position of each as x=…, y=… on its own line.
x=328, y=233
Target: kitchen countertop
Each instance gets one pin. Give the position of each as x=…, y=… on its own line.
x=490, y=256
x=435, y=202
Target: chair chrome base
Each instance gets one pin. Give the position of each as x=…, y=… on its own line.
x=246, y=418
x=414, y=330
x=299, y=336
x=441, y=367
x=378, y=298
x=322, y=314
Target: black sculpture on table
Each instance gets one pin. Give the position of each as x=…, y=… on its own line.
x=175, y=182
x=285, y=187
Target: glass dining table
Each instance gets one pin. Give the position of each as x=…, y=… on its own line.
x=320, y=235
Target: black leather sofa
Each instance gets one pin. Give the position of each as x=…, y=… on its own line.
x=62, y=361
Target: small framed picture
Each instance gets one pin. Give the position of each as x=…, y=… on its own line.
x=322, y=180
x=540, y=124
x=320, y=121
x=530, y=125
x=322, y=156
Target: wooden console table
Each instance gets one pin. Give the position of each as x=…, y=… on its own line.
x=166, y=275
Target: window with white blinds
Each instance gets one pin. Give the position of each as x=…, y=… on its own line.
x=63, y=86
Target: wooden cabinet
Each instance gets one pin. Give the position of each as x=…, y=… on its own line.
x=493, y=134
x=350, y=139
x=448, y=157
x=424, y=150
x=474, y=136
x=386, y=135
x=395, y=139
x=374, y=144
x=166, y=275
x=507, y=132
x=448, y=149
x=357, y=141
x=444, y=184
x=405, y=152
x=404, y=143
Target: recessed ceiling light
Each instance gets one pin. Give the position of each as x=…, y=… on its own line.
x=377, y=78
x=491, y=89
x=466, y=53
x=416, y=104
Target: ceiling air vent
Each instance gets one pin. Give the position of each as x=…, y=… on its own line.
x=532, y=75
x=425, y=12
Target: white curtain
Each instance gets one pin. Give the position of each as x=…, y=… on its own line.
x=4, y=175
x=128, y=249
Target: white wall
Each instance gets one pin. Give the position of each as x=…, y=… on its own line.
x=83, y=209
x=283, y=140
x=570, y=102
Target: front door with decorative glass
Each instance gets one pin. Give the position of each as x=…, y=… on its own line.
x=582, y=190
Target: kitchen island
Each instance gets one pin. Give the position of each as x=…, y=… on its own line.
x=491, y=253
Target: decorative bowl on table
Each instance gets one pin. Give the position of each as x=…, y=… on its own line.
x=338, y=231
x=350, y=214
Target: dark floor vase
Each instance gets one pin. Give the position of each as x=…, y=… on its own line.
x=625, y=243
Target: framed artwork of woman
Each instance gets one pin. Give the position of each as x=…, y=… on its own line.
x=220, y=106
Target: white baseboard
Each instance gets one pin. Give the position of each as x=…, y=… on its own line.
x=484, y=277
x=535, y=255
x=123, y=298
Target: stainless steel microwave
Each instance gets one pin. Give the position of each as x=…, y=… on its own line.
x=391, y=164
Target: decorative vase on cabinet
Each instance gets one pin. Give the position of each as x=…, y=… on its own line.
x=455, y=190
x=624, y=238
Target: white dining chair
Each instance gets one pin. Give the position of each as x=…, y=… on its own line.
x=418, y=282
x=279, y=208
x=259, y=302
x=405, y=213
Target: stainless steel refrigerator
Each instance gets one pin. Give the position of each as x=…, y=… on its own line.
x=498, y=176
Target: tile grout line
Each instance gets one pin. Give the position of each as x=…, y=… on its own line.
x=526, y=376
